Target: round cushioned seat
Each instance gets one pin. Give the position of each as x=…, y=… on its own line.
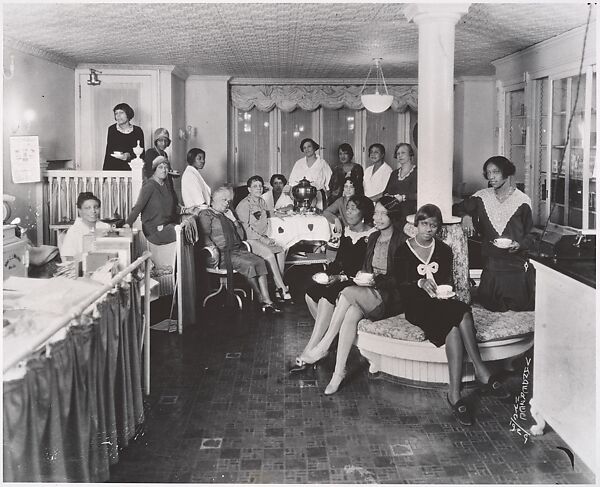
x=398, y=348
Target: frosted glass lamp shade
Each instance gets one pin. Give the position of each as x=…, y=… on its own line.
x=377, y=103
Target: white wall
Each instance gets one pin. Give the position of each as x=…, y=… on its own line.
x=474, y=125
x=206, y=109
x=49, y=90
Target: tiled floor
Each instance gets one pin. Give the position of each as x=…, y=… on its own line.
x=223, y=408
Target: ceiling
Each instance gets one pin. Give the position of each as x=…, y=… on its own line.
x=275, y=40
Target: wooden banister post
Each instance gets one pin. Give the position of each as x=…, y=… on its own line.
x=137, y=178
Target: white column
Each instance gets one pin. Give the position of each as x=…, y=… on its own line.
x=436, y=24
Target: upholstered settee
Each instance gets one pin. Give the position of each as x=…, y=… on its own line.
x=400, y=349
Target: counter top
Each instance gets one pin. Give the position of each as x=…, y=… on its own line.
x=582, y=270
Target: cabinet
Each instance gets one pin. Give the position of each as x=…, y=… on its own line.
x=564, y=361
x=565, y=150
x=515, y=133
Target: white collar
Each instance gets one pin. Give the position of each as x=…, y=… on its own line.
x=499, y=213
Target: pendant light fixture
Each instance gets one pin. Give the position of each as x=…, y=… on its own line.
x=376, y=102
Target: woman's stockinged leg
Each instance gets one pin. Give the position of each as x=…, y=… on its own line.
x=347, y=335
x=280, y=256
x=264, y=289
x=312, y=306
x=271, y=261
x=467, y=331
x=335, y=324
x=454, y=353
x=322, y=321
x=253, y=281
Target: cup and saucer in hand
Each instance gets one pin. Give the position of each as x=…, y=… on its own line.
x=321, y=278
x=502, y=242
x=363, y=279
x=444, y=291
x=117, y=154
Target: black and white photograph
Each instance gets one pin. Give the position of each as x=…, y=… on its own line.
x=299, y=243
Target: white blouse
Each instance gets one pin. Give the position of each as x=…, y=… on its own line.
x=376, y=183
x=318, y=174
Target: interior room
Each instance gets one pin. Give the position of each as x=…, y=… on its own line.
x=177, y=337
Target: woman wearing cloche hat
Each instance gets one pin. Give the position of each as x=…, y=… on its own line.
x=161, y=141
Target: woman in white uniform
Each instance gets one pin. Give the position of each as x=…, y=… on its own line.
x=313, y=168
x=87, y=223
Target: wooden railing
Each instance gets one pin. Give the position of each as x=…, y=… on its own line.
x=117, y=191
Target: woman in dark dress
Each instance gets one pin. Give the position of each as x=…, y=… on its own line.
x=424, y=263
x=122, y=137
x=402, y=184
x=321, y=298
x=375, y=297
x=336, y=212
x=157, y=202
x=342, y=170
x=508, y=279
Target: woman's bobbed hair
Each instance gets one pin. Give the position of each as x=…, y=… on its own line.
x=379, y=146
x=358, y=185
x=429, y=211
x=192, y=154
x=364, y=205
x=85, y=196
x=251, y=179
x=411, y=151
x=278, y=176
x=345, y=147
x=126, y=108
x=506, y=167
x=308, y=139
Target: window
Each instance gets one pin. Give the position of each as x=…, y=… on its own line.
x=265, y=143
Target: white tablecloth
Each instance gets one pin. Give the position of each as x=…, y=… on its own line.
x=289, y=230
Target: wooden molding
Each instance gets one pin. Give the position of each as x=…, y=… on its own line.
x=26, y=48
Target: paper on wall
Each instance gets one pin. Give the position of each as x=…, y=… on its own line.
x=25, y=159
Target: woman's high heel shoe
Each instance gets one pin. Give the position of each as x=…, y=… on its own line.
x=334, y=383
x=269, y=308
x=283, y=294
x=315, y=355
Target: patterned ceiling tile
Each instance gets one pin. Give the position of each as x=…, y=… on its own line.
x=277, y=40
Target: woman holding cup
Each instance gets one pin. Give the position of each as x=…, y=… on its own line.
x=122, y=137
x=322, y=295
x=424, y=277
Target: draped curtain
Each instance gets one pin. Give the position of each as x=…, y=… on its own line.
x=77, y=403
x=310, y=97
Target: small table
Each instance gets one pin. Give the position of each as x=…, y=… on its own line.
x=291, y=229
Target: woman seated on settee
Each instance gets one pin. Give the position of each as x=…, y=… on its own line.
x=336, y=212
x=375, y=298
x=223, y=231
x=502, y=211
x=252, y=212
x=321, y=297
x=87, y=223
x=423, y=264
x=157, y=202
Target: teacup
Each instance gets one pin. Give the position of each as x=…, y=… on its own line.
x=443, y=290
x=502, y=243
x=364, y=277
x=117, y=153
x=321, y=278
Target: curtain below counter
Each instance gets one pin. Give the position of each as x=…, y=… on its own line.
x=310, y=97
x=76, y=404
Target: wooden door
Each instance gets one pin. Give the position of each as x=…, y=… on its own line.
x=96, y=105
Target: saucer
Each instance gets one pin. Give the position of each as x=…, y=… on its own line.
x=362, y=282
x=446, y=296
x=502, y=243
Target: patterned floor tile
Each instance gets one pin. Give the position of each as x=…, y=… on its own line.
x=277, y=428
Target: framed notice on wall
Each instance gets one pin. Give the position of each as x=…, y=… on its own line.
x=25, y=159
